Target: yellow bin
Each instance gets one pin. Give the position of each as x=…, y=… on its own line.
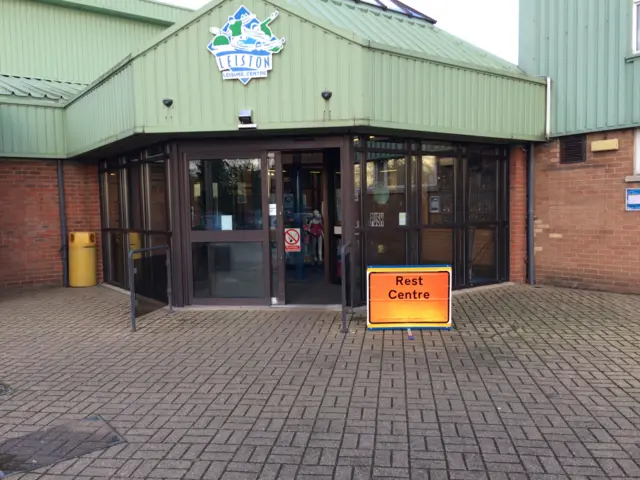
x=82, y=259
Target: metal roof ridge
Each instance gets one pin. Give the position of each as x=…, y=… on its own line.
x=43, y=79
x=170, y=5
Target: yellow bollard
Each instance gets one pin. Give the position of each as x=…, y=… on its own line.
x=135, y=244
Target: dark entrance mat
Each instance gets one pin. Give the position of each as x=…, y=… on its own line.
x=54, y=445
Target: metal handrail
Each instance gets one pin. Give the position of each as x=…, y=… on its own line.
x=345, y=252
x=132, y=273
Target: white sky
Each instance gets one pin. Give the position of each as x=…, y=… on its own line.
x=489, y=24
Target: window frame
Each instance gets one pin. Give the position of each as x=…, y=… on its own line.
x=635, y=46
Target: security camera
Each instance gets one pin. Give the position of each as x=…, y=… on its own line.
x=326, y=95
x=167, y=102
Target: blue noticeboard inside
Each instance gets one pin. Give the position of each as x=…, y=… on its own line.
x=633, y=200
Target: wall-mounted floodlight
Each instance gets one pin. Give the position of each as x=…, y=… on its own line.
x=246, y=119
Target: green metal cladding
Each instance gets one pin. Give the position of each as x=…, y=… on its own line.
x=148, y=11
x=384, y=69
x=46, y=41
x=426, y=86
x=35, y=131
x=50, y=50
x=397, y=31
x=585, y=46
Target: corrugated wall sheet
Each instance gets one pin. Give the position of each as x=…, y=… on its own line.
x=57, y=43
x=369, y=87
x=312, y=61
x=585, y=47
x=31, y=131
x=424, y=96
x=103, y=114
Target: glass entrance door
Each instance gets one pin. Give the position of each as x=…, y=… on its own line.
x=229, y=230
x=305, y=226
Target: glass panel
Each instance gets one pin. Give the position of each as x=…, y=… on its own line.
x=112, y=200
x=437, y=199
x=637, y=15
x=151, y=276
x=438, y=149
x=157, y=192
x=155, y=151
x=393, y=6
x=134, y=182
x=436, y=246
x=112, y=163
x=357, y=190
x=385, y=247
x=117, y=257
x=226, y=194
x=337, y=199
x=228, y=270
x=357, y=272
x=482, y=188
x=273, y=232
x=414, y=190
x=481, y=257
x=385, y=201
x=385, y=143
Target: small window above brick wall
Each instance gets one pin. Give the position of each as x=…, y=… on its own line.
x=573, y=149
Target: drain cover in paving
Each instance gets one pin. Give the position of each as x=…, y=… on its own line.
x=4, y=389
x=54, y=445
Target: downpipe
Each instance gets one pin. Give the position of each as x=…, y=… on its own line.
x=530, y=216
x=64, y=245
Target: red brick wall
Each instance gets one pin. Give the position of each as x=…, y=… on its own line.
x=30, y=218
x=518, y=215
x=82, y=202
x=584, y=238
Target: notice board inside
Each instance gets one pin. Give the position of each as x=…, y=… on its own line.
x=409, y=297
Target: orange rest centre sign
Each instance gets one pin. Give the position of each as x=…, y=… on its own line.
x=409, y=297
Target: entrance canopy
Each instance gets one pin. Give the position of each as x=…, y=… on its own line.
x=291, y=65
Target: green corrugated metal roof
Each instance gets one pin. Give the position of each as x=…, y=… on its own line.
x=398, y=31
x=144, y=10
x=36, y=88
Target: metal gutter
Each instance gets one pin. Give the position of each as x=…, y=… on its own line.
x=64, y=246
x=547, y=124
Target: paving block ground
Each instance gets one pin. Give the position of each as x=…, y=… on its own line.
x=534, y=383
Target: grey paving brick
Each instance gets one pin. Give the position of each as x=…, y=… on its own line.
x=534, y=383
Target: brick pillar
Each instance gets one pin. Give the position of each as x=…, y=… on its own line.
x=82, y=199
x=518, y=214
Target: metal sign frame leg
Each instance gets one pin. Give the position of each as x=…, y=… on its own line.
x=344, y=255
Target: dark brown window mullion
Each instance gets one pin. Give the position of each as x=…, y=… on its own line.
x=266, y=248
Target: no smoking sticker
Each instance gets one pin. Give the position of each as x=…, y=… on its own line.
x=292, y=240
